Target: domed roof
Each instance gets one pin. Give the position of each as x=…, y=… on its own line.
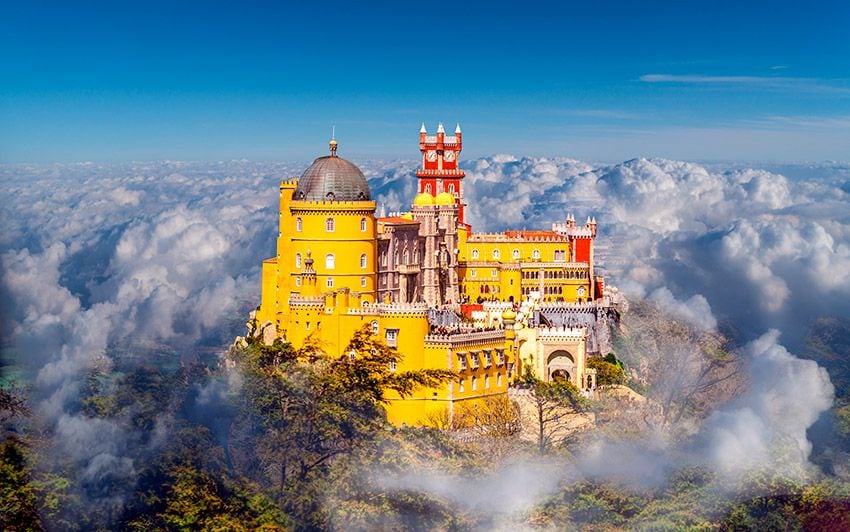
x=423, y=198
x=332, y=178
x=444, y=198
x=508, y=314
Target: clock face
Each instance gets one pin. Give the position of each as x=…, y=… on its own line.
x=431, y=155
x=449, y=156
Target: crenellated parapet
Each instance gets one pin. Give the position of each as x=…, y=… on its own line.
x=466, y=340
x=318, y=207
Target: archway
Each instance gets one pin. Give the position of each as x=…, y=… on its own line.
x=560, y=365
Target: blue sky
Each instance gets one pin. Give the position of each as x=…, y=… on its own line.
x=113, y=81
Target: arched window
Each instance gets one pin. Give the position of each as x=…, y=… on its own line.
x=362, y=281
x=428, y=188
x=535, y=254
x=329, y=225
x=297, y=280
x=451, y=188
x=486, y=382
x=363, y=260
x=497, y=254
x=474, y=383
x=330, y=261
x=581, y=291
x=298, y=260
x=299, y=225
x=474, y=253
x=375, y=327
x=516, y=254
x=362, y=225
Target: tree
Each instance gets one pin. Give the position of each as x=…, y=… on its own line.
x=606, y=372
x=553, y=403
x=307, y=409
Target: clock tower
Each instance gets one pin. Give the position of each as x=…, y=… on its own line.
x=440, y=171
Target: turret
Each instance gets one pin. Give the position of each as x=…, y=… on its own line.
x=441, y=134
x=592, y=226
x=308, y=278
x=422, y=133
x=458, y=135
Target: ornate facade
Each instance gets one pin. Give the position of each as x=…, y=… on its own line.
x=489, y=306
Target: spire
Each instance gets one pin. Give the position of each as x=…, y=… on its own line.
x=440, y=128
x=588, y=221
x=422, y=129
x=333, y=143
x=457, y=129
x=383, y=213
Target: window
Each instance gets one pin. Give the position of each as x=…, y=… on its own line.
x=363, y=261
x=473, y=360
x=330, y=282
x=474, y=383
x=473, y=273
x=428, y=188
x=362, y=225
x=308, y=325
x=299, y=225
x=494, y=272
x=498, y=380
x=451, y=188
x=488, y=359
x=500, y=357
x=329, y=225
x=516, y=254
x=461, y=362
x=330, y=261
x=393, y=365
x=560, y=255
x=298, y=260
x=497, y=254
x=581, y=291
x=535, y=254
x=298, y=280
x=375, y=327
x=362, y=281
x=474, y=253
x=486, y=382
x=392, y=337
x=460, y=386
x=352, y=354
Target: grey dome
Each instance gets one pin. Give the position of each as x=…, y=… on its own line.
x=332, y=178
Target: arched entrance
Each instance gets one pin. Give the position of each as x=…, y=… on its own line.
x=560, y=365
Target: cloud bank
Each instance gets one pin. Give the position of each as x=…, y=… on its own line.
x=97, y=259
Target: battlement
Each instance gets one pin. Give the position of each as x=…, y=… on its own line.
x=460, y=337
x=561, y=334
x=390, y=309
x=326, y=205
x=289, y=184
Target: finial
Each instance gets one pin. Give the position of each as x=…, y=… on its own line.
x=440, y=128
x=333, y=143
x=457, y=129
x=422, y=129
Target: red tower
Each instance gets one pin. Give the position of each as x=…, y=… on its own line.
x=440, y=171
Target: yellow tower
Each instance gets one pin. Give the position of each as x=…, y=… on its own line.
x=326, y=211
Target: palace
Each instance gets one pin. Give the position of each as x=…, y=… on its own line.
x=490, y=306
